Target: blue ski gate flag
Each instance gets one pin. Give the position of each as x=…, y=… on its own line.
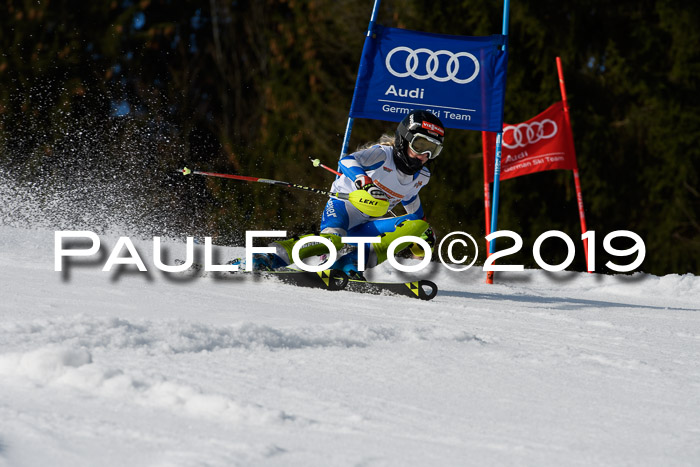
x=460, y=79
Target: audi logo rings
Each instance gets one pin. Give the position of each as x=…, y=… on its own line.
x=432, y=65
x=533, y=133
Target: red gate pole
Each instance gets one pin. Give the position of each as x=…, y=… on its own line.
x=577, y=182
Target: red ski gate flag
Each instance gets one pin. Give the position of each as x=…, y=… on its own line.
x=541, y=143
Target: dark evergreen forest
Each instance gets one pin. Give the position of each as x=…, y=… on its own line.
x=102, y=101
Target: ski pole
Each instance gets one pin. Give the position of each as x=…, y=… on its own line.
x=317, y=163
x=361, y=199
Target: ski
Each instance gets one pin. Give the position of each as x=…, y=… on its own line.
x=332, y=279
x=328, y=280
x=337, y=280
x=422, y=289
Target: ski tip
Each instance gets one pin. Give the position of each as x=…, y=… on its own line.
x=425, y=289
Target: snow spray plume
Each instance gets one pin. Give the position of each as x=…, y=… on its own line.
x=104, y=174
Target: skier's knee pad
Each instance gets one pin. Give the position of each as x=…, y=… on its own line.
x=430, y=238
x=413, y=228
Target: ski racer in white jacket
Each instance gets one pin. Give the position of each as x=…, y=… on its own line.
x=392, y=169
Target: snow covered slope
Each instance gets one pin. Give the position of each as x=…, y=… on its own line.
x=131, y=368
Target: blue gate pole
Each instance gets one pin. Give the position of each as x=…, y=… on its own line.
x=499, y=143
x=370, y=28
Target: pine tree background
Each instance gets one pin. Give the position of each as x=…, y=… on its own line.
x=101, y=102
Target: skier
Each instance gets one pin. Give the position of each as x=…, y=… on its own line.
x=392, y=169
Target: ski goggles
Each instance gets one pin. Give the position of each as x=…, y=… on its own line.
x=422, y=144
